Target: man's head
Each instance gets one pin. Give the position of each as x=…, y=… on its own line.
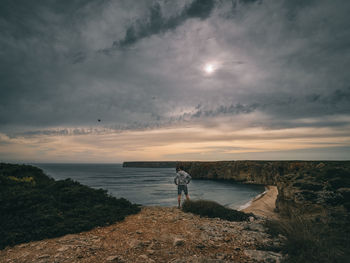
x=179, y=168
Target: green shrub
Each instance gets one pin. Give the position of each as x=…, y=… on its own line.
x=39, y=208
x=309, y=240
x=311, y=186
x=213, y=210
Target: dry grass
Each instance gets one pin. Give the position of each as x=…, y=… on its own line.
x=310, y=241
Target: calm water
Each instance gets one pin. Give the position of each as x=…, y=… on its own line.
x=150, y=186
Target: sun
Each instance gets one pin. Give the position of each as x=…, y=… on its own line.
x=209, y=68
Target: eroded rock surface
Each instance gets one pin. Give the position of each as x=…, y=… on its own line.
x=156, y=234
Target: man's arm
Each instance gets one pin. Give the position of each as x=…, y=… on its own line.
x=188, y=178
x=175, y=179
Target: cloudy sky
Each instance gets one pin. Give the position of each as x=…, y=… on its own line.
x=112, y=81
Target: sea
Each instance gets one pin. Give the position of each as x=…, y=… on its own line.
x=152, y=186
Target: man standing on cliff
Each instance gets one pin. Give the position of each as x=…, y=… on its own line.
x=182, y=179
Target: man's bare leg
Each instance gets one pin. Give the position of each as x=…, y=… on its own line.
x=179, y=201
x=187, y=197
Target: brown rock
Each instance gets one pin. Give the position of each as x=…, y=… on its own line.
x=200, y=245
x=264, y=256
x=144, y=258
x=63, y=248
x=179, y=242
x=43, y=256
x=220, y=256
x=115, y=258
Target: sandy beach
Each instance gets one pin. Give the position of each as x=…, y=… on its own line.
x=264, y=204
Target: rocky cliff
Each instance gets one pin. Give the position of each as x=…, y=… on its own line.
x=313, y=187
x=150, y=164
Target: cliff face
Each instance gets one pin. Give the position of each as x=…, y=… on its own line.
x=150, y=164
x=311, y=187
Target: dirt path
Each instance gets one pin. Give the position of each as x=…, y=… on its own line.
x=156, y=234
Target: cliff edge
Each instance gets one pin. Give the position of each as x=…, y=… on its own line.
x=304, y=187
x=157, y=234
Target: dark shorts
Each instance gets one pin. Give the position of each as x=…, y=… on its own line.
x=181, y=188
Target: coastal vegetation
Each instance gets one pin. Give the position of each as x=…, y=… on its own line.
x=213, y=210
x=34, y=206
x=313, y=203
x=310, y=240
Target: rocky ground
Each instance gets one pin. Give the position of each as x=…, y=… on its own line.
x=156, y=234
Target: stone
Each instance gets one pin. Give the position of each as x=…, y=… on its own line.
x=39, y=247
x=200, y=246
x=220, y=256
x=23, y=245
x=43, y=256
x=141, y=244
x=63, y=248
x=256, y=227
x=204, y=236
x=227, y=239
x=179, y=242
x=251, y=219
x=115, y=258
x=176, y=260
x=282, y=237
x=207, y=260
x=133, y=243
x=264, y=256
x=144, y=258
x=150, y=252
x=24, y=254
x=94, y=247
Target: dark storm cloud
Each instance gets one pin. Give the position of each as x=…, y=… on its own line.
x=156, y=23
x=221, y=110
x=284, y=59
x=39, y=44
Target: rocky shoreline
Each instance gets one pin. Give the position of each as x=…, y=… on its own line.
x=304, y=187
x=156, y=234
x=163, y=234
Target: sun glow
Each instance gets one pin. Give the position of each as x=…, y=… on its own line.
x=209, y=68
